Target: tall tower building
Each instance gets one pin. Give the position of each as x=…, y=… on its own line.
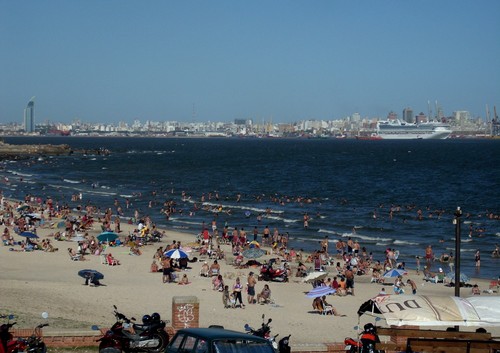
x=29, y=116
x=408, y=115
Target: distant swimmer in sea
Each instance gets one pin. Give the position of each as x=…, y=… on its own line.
x=496, y=252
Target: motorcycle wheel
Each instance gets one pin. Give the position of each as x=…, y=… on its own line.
x=163, y=339
x=109, y=350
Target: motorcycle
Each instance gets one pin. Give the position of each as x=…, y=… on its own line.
x=268, y=273
x=127, y=336
x=32, y=344
x=264, y=331
x=366, y=343
x=284, y=345
x=351, y=345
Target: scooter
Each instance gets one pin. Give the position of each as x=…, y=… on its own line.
x=366, y=343
x=32, y=344
x=284, y=345
x=264, y=331
x=268, y=273
x=351, y=345
x=126, y=336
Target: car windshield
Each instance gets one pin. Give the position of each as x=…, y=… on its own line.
x=239, y=346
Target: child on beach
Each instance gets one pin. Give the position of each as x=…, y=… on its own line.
x=226, y=299
x=184, y=280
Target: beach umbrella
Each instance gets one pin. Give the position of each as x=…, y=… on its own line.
x=254, y=244
x=253, y=253
x=107, y=236
x=28, y=235
x=176, y=254
x=34, y=215
x=315, y=276
x=78, y=238
x=463, y=277
x=320, y=291
x=395, y=273
x=60, y=224
x=88, y=273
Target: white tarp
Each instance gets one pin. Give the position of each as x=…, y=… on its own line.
x=421, y=310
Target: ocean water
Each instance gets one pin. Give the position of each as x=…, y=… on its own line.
x=347, y=187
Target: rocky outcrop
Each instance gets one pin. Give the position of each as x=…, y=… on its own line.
x=24, y=151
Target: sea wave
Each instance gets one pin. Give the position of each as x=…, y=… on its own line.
x=71, y=181
x=404, y=242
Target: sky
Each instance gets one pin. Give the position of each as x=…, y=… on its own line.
x=281, y=61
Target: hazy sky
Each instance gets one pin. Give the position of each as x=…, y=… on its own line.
x=110, y=61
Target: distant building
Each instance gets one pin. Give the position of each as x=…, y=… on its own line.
x=408, y=115
x=29, y=116
x=392, y=116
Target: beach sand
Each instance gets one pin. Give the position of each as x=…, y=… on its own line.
x=36, y=282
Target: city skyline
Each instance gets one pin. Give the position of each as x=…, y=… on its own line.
x=219, y=61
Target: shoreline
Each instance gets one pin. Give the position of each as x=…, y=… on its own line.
x=38, y=281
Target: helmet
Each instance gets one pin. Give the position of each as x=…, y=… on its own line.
x=155, y=317
x=369, y=327
x=146, y=319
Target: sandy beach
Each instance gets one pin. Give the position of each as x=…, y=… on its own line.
x=37, y=281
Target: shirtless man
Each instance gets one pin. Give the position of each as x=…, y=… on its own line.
x=167, y=270
x=251, y=282
x=324, y=244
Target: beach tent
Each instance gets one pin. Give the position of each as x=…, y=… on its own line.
x=421, y=310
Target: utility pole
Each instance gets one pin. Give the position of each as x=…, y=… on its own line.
x=456, y=222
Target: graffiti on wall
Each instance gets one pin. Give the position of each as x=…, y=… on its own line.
x=185, y=314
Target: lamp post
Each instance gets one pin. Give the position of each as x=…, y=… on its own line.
x=456, y=222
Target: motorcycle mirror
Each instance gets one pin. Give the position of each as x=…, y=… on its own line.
x=247, y=327
x=11, y=317
x=356, y=328
x=263, y=316
x=132, y=318
x=114, y=306
x=95, y=328
x=45, y=315
x=269, y=321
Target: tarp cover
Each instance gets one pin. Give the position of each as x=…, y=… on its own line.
x=423, y=310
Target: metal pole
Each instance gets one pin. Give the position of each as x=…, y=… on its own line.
x=456, y=222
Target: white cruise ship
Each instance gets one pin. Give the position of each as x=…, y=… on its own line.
x=400, y=130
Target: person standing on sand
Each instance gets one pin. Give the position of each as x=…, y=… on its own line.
x=349, y=280
x=167, y=270
x=265, y=235
x=324, y=244
x=237, y=287
x=251, y=288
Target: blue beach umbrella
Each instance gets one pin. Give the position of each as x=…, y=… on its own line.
x=88, y=273
x=463, y=277
x=176, y=254
x=320, y=291
x=28, y=235
x=107, y=236
x=253, y=253
x=395, y=273
x=22, y=208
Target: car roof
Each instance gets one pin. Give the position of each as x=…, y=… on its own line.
x=219, y=333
